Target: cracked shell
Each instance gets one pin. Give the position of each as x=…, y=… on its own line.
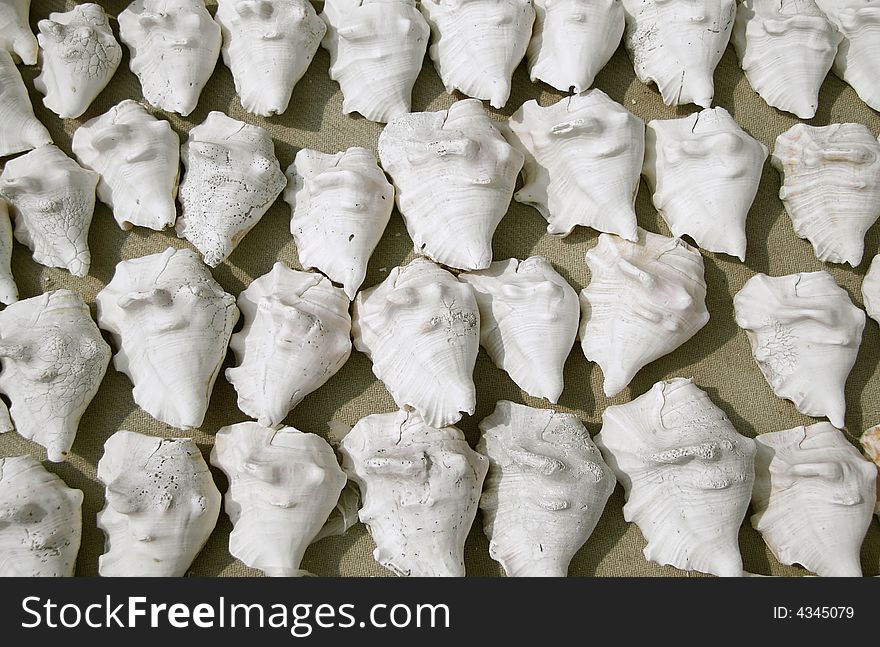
x=16, y=37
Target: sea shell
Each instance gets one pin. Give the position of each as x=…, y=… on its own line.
x=171, y=322
x=645, y=299
x=295, y=338
x=785, y=48
x=138, y=159
x=53, y=361
x=8, y=289
x=282, y=487
x=268, y=45
x=813, y=499
x=340, y=205
x=161, y=505
x=830, y=186
x=677, y=44
x=420, y=488
x=528, y=321
x=573, y=40
x=454, y=174
x=16, y=36
x=687, y=475
x=40, y=521
x=477, y=44
x=805, y=335
x=871, y=290
x=420, y=327
x=19, y=128
x=546, y=489
x=583, y=157
x=704, y=171
x=80, y=56
x=856, y=61
x=871, y=448
x=174, y=47
x=232, y=178
x=376, y=52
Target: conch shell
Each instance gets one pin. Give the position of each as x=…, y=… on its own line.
x=8, y=289
x=545, y=491
x=805, y=335
x=40, y=521
x=528, y=321
x=20, y=130
x=53, y=361
x=232, y=178
x=814, y=497
x=138, y=159
x=340, y=205
x=704, y=171
x=53, y=201
x=477, y=44
x=871, y=290
x=16, y=37
x=376, y=52
x=268, y=45
x=420, y=489
x=161, y=505
x=171, y=322
x=295, y=338
x=687, y=475
x=871, y=448
x=282, y=487
x=454, y=174
x=677, y=44
x=583, y=157
x=80, y=56
x=645, y=299
x=174, y=47
x=785, y=48
x=420, y=327
x=830, y=186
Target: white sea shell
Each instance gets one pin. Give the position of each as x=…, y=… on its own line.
x=704, y=171
x=420, y=327
x=376, y=52
x=19, y=128
x=871, y=290
x=573, y=40
x=813, y=499
x=232, y=177
x=8, y=289
x=16, y=36
x=785, y=48
x=677, y=44
x=282, y=487
x=856, y=61
x=871, y=448
x=805, y=335
x=830, y=186
x=138, y=159
x=644, y=300
x=53, y=201
x=40, y=521
x=583, y=157
x=528, y=321
x=53, y=361
x=268, y=45
x=454, y=174
x=545, y=491
x=477, y=44
x=80, y=56
x=687, y=475
x=161, y=505
x=420, y=488
x=171, y=322
x=174, y=47
x=340, y=206
x=296, y=336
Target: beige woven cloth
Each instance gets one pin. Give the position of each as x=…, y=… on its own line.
x=718, y=357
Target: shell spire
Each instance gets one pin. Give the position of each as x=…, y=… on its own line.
x=20, y=130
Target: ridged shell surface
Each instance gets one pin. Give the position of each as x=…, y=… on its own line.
x=871, y=448
x=8, y=289
x=545, y=491
x=20, y=130
x=871, y=290
x=805, y=335
x=644, y=300
x=16, y=36
x=687, y=475
x=420, y=488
